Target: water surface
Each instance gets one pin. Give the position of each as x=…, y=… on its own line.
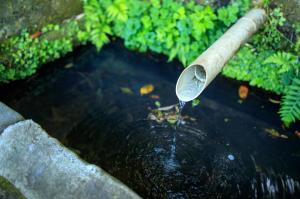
x=224, y=152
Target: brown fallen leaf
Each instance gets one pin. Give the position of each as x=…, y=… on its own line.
x=154, y=97
x=146, y=89
x=35, y=35
x=297, y=133
x=243, y=92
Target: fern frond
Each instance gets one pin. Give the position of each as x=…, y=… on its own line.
x=290, y=106
x=118, y=10
x=283, y=60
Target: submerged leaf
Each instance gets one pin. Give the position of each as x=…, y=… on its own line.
x=275, y=134
x=157, y=104
x=146, y=89
x=172, y=120
x=154, y=97
x=126, y=90
x=166, y=108
x=243, y=92
x=195, y=102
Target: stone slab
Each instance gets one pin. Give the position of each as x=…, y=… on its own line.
x=8, y=117
x=40, y=167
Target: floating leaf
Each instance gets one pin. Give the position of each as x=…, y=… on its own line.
x=146, y=89
x=275, y=134
x=274, y=101
x=157, y=104
x=243, y=92
x=154, y=97
x=69, y=65
x=172, y=120
x=195, y=102
x=126, y=90
x=167, y=108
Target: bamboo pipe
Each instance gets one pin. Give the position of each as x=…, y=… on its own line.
x=197, y=76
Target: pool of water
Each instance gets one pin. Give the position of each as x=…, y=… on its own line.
x=224, y=152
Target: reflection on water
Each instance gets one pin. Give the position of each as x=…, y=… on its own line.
x=85, y=108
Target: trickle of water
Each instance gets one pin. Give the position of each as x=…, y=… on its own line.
x=173, y=146
x=171, y=163
x=180, y=107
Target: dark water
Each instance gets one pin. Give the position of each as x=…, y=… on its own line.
x=225, y=153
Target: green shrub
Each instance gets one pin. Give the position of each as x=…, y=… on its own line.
x=24, y=54
x=290, y=107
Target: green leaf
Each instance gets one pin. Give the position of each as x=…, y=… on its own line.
x=290, y=106
x=195, y=102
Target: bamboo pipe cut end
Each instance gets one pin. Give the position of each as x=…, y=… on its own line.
x=191, y=83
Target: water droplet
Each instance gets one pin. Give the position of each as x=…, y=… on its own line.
x=230, y=157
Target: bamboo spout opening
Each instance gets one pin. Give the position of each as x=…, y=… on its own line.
x=191, y=83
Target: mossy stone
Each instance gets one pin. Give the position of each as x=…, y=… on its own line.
x=9, y=191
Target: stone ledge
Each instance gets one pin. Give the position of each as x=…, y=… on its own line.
x=40, y=167
x=8, y=191
x=8, y=117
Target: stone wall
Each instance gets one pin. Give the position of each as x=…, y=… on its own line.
x=16, y=15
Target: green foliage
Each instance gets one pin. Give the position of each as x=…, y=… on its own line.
x=228, y=15
x=267, y=69
x=297, y=44
x=290, y=107
x=271, y=62
x=99, y=16
x=175, y=29
x=248, y=65
x=270, y=37
x=25, y=54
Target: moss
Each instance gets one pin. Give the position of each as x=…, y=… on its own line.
x=8, y=190
x=20, y=56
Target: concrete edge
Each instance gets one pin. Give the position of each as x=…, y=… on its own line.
x=8, y=117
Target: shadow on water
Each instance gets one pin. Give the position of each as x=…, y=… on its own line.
x=223, y=153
